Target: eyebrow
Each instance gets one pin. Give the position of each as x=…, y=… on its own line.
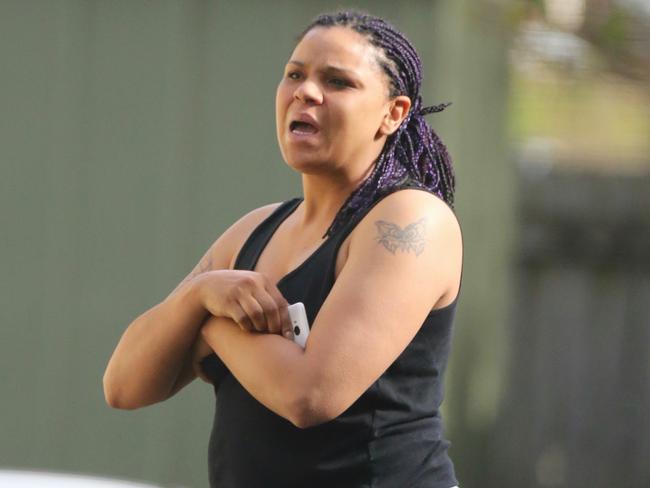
x=329, y=67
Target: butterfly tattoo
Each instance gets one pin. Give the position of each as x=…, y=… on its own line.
x=392, y=237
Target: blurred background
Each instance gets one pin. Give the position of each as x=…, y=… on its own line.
x=133, y=133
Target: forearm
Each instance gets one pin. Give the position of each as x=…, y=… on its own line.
x=153, y=349
x=271, y=368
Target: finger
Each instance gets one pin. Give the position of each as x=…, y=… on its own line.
x=240, y=316
x=255, y=313
x=271, y=310
x=286, y=327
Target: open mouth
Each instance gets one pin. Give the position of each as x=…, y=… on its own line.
x=299, y=127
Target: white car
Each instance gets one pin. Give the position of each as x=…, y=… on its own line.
x=43, y=479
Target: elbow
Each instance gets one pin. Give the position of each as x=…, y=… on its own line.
x=310, y=412
x=117, y=404
x=114, y=401
x=113, y=397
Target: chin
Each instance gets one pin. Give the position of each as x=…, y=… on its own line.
x=307, y=165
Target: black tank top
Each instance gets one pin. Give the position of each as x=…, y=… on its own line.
x=390, y=437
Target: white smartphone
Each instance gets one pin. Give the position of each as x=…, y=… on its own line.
x=298, y=317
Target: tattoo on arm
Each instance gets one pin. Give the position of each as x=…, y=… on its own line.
x=204, y=265
x=392, y=237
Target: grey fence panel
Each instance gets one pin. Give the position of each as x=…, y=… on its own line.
x=575, y=411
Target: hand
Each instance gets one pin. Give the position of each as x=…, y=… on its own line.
x=247, y=297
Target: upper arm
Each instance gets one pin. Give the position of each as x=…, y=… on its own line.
x=405, y=254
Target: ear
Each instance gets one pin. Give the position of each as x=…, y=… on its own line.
x=397, y=110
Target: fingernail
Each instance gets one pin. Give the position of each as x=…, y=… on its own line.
x=288, y=334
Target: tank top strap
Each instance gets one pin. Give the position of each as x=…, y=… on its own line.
x=253, y=246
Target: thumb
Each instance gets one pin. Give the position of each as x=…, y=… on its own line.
x=287, y=326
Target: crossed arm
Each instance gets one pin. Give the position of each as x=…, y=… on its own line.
x=405, y=255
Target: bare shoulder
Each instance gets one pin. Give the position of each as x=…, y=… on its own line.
x=223, y=251
x=242, y=228
x=417, y=210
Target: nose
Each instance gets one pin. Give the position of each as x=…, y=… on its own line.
x=308, y=92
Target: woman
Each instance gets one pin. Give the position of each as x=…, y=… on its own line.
x=373, y=250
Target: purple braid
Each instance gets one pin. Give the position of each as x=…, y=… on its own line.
x=414, y=152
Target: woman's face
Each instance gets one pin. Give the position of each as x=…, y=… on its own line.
x=332, y=77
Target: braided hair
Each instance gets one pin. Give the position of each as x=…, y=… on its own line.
x=414, y=152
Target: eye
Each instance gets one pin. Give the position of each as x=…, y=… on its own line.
x=291, y=74
x=339, y=82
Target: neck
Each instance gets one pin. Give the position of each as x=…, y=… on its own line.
x=324, y=195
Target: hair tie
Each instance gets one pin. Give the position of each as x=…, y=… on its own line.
x=434, y=108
